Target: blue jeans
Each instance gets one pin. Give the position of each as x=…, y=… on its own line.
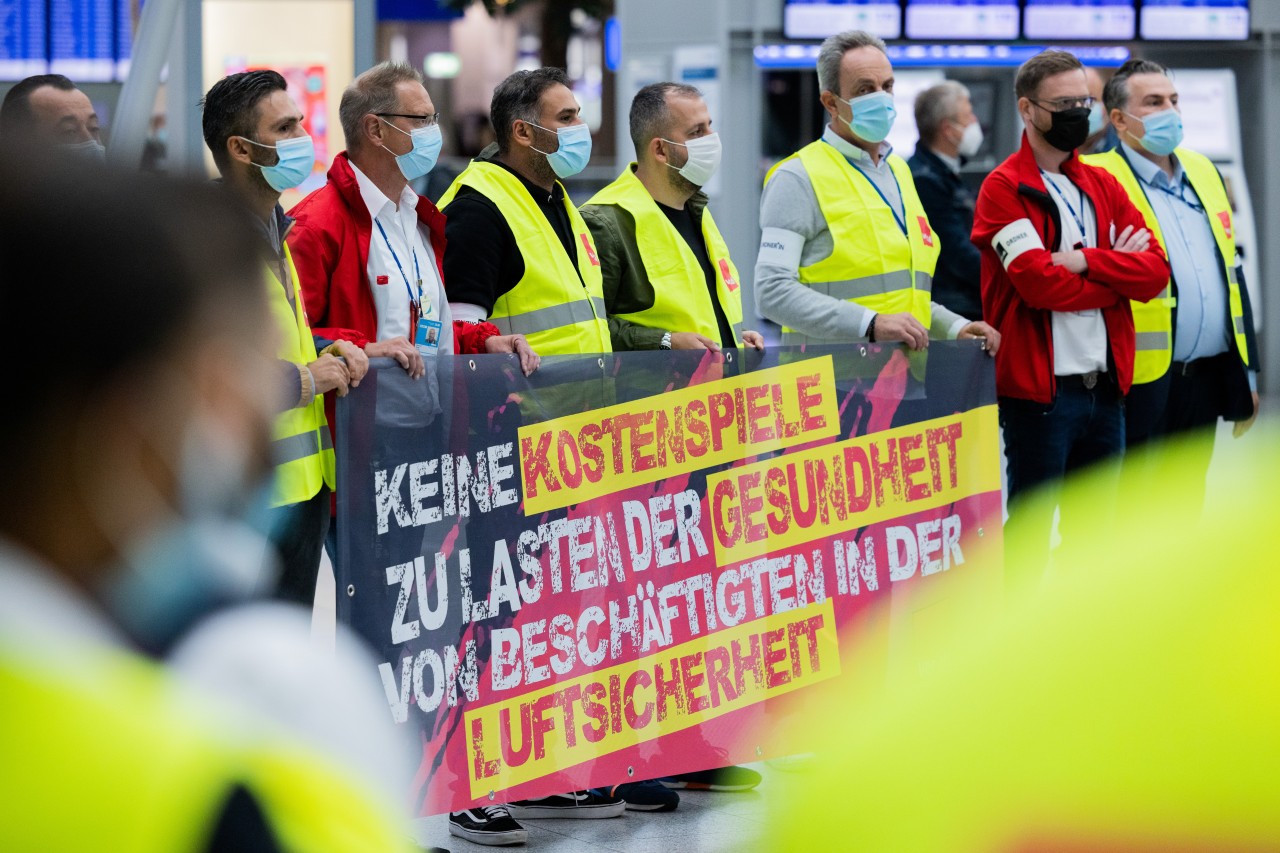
x=1044, y=443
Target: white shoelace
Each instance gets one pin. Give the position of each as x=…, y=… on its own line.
x=495, y=812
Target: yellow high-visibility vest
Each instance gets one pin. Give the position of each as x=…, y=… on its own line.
x=557, y=306
x=1153, y=321
x=104, y=752
x=872, y=262
x=681, y=302
x=301, y=446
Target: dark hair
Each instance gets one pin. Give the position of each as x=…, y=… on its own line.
x=1115, y=95
x=161, y=257
x=15, y=112
x=231, y=109
x=649, y=114
x=1042, y=66
x=518, y=97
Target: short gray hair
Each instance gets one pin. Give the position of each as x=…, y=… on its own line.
x=832, y=53
x=937, y=105
x=374, y=91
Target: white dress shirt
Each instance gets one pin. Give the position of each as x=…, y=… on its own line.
x=405, y=243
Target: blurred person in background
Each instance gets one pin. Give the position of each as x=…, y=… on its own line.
x=254, y=130
x=1102, y=136
x=125, y=487
x=47, y=111
x=949, y=135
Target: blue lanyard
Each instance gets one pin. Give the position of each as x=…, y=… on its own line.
x=1084, y=235
x=1179, y=195
x=901, y=223
x=414, y=301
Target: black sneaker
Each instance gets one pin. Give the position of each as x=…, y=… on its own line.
x=575, y=804
x=648, y=796
x=732, y=778
x=488, y=825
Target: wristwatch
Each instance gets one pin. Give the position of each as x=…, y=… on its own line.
x=871, y=329
x=666, y=341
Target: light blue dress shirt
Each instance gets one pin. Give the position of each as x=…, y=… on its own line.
x=1202, y=313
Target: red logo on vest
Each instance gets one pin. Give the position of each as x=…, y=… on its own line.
x=382, y=279
x=729, y=280
x=591, y=250
x=925, y=234
x=1225, y=217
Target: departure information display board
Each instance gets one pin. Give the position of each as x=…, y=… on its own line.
x=1195, y=20
x=23, y=39
x=89, y=41
x=962, y=19
x=1009, y=20
x=82, y=39
x=803, y=19
x=1080, y=19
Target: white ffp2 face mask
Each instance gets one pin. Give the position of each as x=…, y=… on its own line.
x=704, y=158
x=970, y=140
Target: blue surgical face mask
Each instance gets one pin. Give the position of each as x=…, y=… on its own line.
x=211, y=552
x=295, y=159
x=89, y=151
x=574, y=151
x=1095, y=118
x=1162, y=131
x=421, y=158
x=872, y=115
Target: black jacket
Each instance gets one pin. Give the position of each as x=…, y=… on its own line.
x=949, y=206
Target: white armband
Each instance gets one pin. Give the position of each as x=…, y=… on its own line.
x=1014, y=239
x=780, y=248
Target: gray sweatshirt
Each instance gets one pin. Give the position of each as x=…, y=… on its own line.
x=795, y=234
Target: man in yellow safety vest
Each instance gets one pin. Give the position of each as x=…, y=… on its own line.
x=117, y=480
x=669, y=282
x=847, y=253
x=517, y=251
x=1196, y=357
x=254, y=130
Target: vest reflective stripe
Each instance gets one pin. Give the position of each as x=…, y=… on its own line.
x=1153, y=321
x=1152, y=341
x=556, y=315
x=681, y=301
x=558, y=306
x=872, y=262
x=300, y=446
x=304, y=450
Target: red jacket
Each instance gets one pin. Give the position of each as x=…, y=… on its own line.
x=1021, y=286
x=330, y=246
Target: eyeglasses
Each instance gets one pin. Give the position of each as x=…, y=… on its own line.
x=1060, y=104
x=417, y=120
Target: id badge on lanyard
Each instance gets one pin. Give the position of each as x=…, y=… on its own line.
x=426, y=336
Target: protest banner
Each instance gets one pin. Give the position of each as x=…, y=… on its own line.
x=616, y=568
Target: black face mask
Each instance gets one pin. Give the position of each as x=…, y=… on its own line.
x=1068, y=130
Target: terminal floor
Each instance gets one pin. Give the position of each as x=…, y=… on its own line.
x=704, y=823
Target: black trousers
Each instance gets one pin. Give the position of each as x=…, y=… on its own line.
x=298, y=532
x=1171, y=426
